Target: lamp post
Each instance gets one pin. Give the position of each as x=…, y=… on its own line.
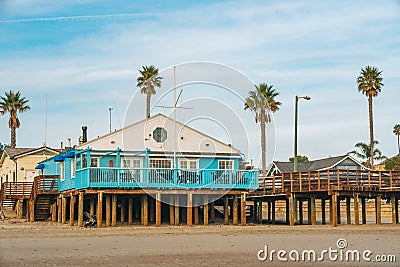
x=295, y=129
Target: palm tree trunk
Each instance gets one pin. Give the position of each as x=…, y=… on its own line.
x=263, y=143
x=148, y=96
x=13, y=137
x=398, y=142
x=371, y=130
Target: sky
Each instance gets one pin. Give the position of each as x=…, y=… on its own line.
x=84, y=56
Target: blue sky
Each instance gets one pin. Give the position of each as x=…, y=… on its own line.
x=84, y=55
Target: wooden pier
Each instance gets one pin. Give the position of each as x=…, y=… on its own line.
x=354, y=187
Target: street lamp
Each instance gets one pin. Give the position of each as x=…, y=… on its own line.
x=295, y=129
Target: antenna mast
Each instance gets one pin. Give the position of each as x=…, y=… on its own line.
x=174, y=117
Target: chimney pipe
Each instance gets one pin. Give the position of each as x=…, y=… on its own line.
x=84, y=134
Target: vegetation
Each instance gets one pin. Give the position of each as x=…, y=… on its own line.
x=147, y=82
x=396, y=131
x=262, y=100
x=13, y=104
x=393, y=163
x=300, y=159
x=2, y=147
x=364, y=153
x=370, y=83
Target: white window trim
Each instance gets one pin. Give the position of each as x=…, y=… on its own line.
x=72, y=163
x=62, y=171
x=160, y=159
x=188, y=163
x=98, y=162
x=231, y=161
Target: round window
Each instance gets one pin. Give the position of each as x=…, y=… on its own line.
x=160, y=135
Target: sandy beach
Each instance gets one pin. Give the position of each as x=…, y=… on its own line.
x=54, y=244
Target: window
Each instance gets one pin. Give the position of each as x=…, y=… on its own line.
x=126, y=163
x=136, y=163
x=62, y=175
x=160, y=135
x=160, y=163
x=188, y=164
x=72, y=167
x=84, y=160
x=225, y=164
x=94, y=162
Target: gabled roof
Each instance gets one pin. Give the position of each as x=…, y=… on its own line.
x=18, y=152
x=314, y=165
x=116, y=137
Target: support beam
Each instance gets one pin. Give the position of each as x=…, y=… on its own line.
x=145, y=210
x=287, y=210
x=59, y=208
x=235, y=210
x=108, y=210
x=273, y=210
x=92, y=206
x=64, y=209
x=393, y=202
x=363, y=210
x=348, y=210
x=177, y=206
x=19, y=208
x=123, y=209
x=260, y=212
x=331, y=210
x=226, y=210
x=243, y=209
x=195, y=210
x=54, y=212
x=212, y=212
x=291, y=209
x=335, y=210
x=171, y=210
x=255, y=211
x=152, y=204
x=100, y=209
x=114, y=210
x=323, y=212
x=205, y=215
x=313, y=211
x=301, y=211
x=130, y=210
x=80, y=209
x=189, y=210
x=269, y=211
x=71, y=209
x=339, y=216
x=158, y=209
x=397, y=210
x=356, y=210
x=378, y=209
x=309, y=211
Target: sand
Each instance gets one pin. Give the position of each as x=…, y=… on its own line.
x=54, y=244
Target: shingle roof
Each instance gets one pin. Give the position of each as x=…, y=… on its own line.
x=13, y=152
x=313, y=165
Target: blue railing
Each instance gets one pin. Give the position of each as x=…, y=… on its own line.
x=161, y=178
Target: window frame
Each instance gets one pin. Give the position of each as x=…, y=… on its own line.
x=224, y=162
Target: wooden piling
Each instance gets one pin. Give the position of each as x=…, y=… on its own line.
x=334, y=210
x=273, y=221
x=130, y=210
x=171, y=210
x=269, y=211
x=100, y=209
x=152, y=204
x=301, y=211
x=260, y=212
x=92, y=206
x=19, y=208
x=205, y=215
x=339, y=216
x=356, y=210
x=287, y=210
x=313, y=211
x=226, y=210
x=212, y=212
x=235, y=210
x=378, y=209
x=255, y=211
x=348, y=210
x=177, y=206
x=114, y=210
x=363, y=211
x=158, y=209
x=195, y=210
x=145, y=210
x=54, y=211
x=309, y=210
x=393, y=202
x=71, y=209
x=108, y=210
x=123, y=209
x=80, y=209
x=331, y=210
x=189, y=210
x=291, y=210
x=243, y=209
x=323, y=212
x=64, y=209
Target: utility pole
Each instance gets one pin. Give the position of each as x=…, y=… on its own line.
x=110, y=109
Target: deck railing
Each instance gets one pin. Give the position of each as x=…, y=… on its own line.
x=15, y=190
x=331, y=180
x=161, y=178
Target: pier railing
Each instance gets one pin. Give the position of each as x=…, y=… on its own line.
x=353, y=180
x=15, y=190
x=161, y=178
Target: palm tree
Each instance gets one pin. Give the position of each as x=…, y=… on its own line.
x=13, y=103
x=365, y=154
x=370, y=83
x=260, y=101
x=396, y=131
x=147, y=83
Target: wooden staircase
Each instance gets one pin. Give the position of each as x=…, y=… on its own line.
x=44, y=192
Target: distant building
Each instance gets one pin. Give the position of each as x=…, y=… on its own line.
x=18, y=164
x=345, y=162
